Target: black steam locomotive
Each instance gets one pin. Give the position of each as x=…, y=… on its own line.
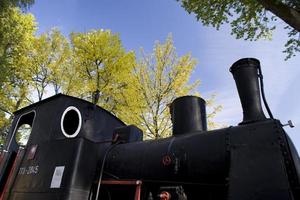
x=79, y=151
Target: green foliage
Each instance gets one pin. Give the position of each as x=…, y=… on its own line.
x=161, y=77
x=22, y=134
x=48, y=60
x=16, y=34
x=249, y=19
x=38, y=71
x=60, y=57
x=103, y=71
x=23, y=4
x=214, y=109
x=93, y=66
x=293, y=44
x=4, y=125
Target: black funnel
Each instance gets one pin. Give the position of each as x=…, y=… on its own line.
x=188, y=114
x=245, y=73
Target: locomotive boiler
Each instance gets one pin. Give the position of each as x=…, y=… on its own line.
x=79, y=151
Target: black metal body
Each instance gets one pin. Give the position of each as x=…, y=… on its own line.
x=254, y=160
x=245, y=73
x=188, y=114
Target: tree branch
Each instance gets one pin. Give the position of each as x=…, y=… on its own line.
x=289, y=15
x=6, y=111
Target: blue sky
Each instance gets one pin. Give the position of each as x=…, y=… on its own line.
x=141, y=22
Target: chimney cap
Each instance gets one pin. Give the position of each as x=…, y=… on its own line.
x=244, y=62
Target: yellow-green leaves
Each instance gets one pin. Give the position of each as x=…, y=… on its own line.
x=96, y=67
x=48, y=62
x=103, y=66
x=161, y=77
x=16, y=35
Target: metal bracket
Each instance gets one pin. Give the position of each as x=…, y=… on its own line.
x=289, y=123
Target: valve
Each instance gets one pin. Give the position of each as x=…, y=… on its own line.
x=164, y=195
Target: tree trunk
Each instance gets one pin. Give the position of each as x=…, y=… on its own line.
x=289, y=15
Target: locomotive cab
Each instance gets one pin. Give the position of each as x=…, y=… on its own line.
x=61, y=154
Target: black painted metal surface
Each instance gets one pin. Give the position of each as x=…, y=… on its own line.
x=245, y=73
x=254, y=160
x=76, y=158
x=188, y=114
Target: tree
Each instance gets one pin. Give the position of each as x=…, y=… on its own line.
x=61, y=60
x=38, y=69
x=24, y=4
x=103, y=71
x=161, y=77
x=48, y=60
x=16, y=34
x=250, y=19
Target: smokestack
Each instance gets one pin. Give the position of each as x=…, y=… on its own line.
x=188, y=114
x=245, y=73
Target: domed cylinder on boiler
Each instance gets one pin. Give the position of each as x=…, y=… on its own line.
x=188, y=114
x=245, y=73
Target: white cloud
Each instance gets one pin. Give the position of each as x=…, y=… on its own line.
x=231, y=113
